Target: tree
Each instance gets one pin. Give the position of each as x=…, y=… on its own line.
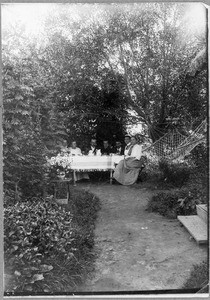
x=82, y=89
x=112, y=116
x=144, y=47
x=148, y=46
x=30, y=117
x=199, y=63
x=88, y=72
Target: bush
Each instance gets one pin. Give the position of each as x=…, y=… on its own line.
x=48, y=246
x=198, y=278
x=171, y=204
x=199, y=155
x=199, y=191
x=151, y=171
x=24, y=164
x=199, y=158
x=175, y=173
x=85, y=207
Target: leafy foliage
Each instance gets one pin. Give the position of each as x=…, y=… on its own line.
x=152, y=170
x=43, y=240
x=146, y=48
x=30, y=124
x=175, y=173
x=85, y=76
x=171, y=204
x=199, y=157
x=84, y=216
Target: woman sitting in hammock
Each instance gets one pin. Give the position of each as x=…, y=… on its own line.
x=127, y=170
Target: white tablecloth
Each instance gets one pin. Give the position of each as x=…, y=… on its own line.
x=94, y=163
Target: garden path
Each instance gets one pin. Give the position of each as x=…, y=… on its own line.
x=138, y=250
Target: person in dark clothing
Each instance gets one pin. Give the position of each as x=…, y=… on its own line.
x=106, y=148
x=92, y=149
x=127, y=141
x=119, y=149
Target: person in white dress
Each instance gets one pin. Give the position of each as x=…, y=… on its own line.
x=127, y=170
x=74, y=151
x=135, y=150
x=64, y=150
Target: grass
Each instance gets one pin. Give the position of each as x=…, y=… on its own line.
x=199, y=278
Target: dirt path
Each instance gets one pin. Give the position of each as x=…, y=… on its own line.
x=138, y=250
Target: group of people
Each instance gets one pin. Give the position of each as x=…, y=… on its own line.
x=93, y=149
x=127, y=170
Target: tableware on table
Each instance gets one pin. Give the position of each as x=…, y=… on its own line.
x=90, y=153
x=98, y=152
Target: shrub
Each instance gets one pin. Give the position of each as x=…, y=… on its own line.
x=151, y=170
x=198, y=190
x=199, y=155
x=47, y=246
x=85, y=207
x=176, y=173
x=171, y=204
x=199, y=158
x=35, y=232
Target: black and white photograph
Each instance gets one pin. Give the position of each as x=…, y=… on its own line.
x=105, y=148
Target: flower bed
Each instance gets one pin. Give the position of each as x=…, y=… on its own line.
x=48, y=247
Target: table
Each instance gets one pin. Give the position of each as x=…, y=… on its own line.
x=94, y=163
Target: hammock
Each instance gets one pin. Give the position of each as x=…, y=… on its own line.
x=174, y=145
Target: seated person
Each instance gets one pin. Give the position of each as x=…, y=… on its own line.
x=92, y=150
x=74, y=150
x=127, y=141
x=119, y=149
x=106, y=148
x=127, y=170
x=64, y=150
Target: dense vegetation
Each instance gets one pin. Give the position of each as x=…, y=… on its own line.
x=82, y=77
x=175, y=202
x=184, y=184
x=49, y=247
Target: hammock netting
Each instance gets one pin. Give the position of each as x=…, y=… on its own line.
x=175, y=146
